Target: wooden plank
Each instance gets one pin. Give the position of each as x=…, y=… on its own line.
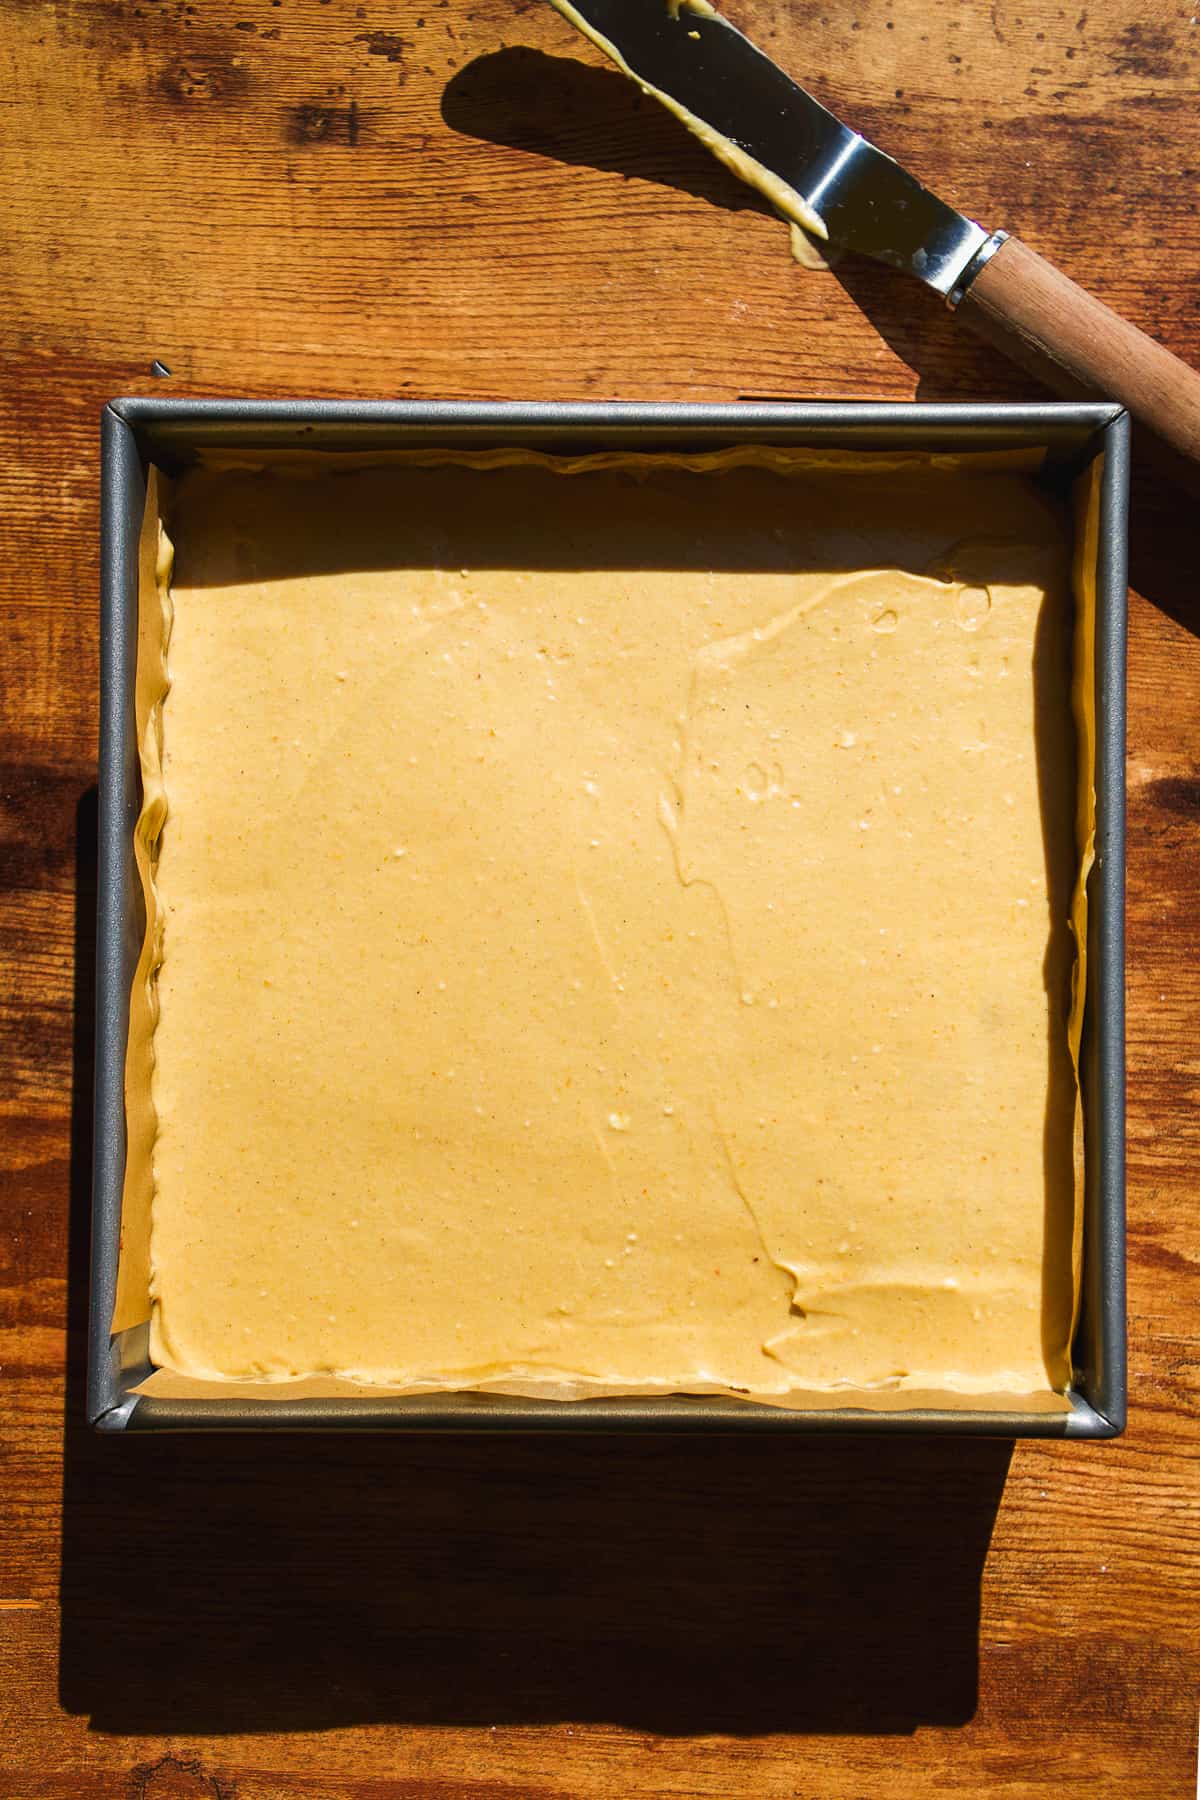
x=455, y=199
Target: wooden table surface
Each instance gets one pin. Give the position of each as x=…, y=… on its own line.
x=453, y=198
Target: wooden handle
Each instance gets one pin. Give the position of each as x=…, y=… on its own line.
x=1073, y=343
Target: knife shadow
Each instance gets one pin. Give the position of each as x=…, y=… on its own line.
x=586, y=117
x=947, y=362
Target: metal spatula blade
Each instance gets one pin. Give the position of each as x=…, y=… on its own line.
x=702, y=65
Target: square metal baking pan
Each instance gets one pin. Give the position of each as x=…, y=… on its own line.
x=171, y=434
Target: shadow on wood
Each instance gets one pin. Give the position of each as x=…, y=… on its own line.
x=591, y=118
x=949, y=363
x=217, y=1584
x=1164, y=544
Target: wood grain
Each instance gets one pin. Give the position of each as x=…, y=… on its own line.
x=452, y=197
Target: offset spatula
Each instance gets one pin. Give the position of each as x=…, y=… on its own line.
x=829, y=180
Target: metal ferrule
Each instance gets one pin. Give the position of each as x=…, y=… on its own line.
x=980, y=260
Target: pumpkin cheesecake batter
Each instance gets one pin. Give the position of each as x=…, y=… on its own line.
x=615, y=930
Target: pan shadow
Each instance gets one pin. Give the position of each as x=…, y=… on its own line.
x=1164, y=544
x=216, y=1583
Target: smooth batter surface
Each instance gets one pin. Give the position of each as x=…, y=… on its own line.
x=615, y=931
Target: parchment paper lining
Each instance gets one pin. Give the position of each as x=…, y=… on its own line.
x=152, y=684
